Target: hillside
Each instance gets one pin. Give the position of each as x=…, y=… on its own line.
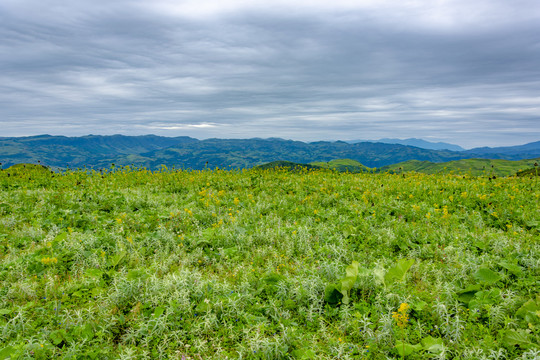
x=343, y=165
x=466, y=166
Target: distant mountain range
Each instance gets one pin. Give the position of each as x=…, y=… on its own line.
x=416, y=142
x=150, y=151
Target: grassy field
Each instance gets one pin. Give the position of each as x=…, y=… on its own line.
x=267, y=264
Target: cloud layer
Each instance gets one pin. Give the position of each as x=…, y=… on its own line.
x=457, y=71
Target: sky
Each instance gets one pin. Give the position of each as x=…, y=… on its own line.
x=459, y=71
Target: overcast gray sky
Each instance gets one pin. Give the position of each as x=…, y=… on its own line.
x=460, y=71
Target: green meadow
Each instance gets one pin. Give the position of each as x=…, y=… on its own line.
x=268, y=264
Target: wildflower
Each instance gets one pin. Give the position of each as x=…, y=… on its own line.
x=49, y=260
x=402, y=315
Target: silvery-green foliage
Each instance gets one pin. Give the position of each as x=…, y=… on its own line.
x=496, y=315
x=474, y=353
x=364, y=324
x=499, y=354
x=15, y=326
x=129, y=353
x=22, y=290
x=384, y=332
x=531, y=354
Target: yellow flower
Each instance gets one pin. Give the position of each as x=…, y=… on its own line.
x=402, y=315
x=48, y=260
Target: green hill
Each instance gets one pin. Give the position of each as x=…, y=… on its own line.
x=474, y=167
x=286, y=165
x=342, y=165
x=27, y=168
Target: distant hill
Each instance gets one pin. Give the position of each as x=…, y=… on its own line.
x=90, y=151
x=245, y=153
x=474, y=167
x=343, y=165
x=340, y=165
x=423, y=144
x=527, y=151
x=150, y=151
x=287, y=165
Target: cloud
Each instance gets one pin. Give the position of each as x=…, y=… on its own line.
x=458, y=71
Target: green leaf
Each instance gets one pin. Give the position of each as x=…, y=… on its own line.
x=137, y=275
x=116, y=259
x=418, y=305
x=433, y=345
x=84, y=331
x=348, y=281
x=485, y=297
x=305, y=354
x=230, y=252
x=487, y=276
x=6, y=352
x=57, y=336
x=467, y=294
x=60, y=237
x=332, y=295
x=159, y=311
x=5, y=311
x=397, y=272
x=513, y=268
x=482, y=245
x=95, y=273
x=352, y=270
x=203, y=306
x=530, y=311
x=516, y=338
x=405, y=349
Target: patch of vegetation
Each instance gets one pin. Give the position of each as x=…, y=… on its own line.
x=268, y=264
x=529, y=172
x=288, y=165
x=343, y=165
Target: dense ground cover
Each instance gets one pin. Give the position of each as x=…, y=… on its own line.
x=268, y=264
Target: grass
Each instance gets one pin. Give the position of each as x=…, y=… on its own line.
x=268, y=264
